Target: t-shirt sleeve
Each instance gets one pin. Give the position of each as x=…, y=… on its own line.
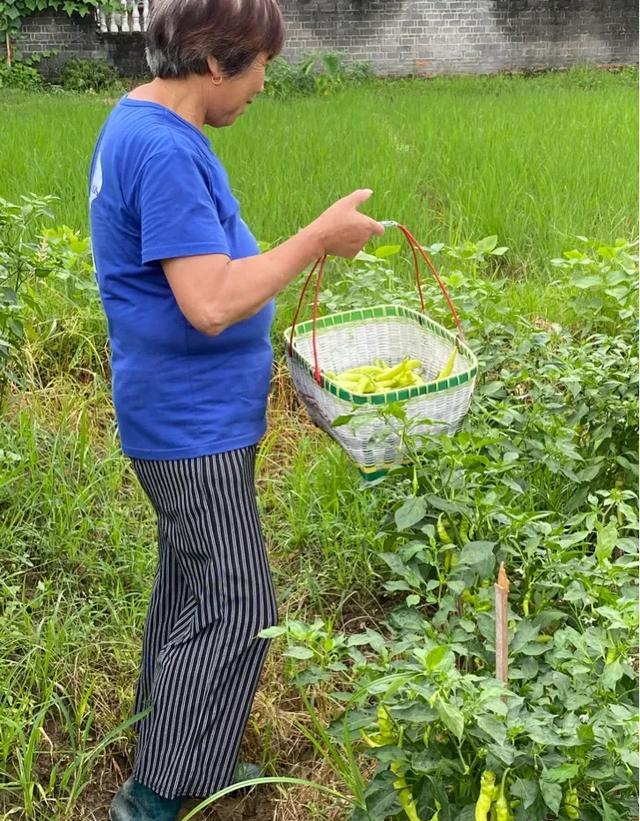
x=178, y=214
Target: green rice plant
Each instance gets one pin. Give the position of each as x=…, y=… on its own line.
x=451, y=158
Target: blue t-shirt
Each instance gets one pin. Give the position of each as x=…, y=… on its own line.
x=157, y=191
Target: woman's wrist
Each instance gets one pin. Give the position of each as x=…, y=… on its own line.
x=315, y=239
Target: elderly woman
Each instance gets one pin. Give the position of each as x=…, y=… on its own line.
x=189, y=303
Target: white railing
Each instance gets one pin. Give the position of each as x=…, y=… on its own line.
x=133, y=17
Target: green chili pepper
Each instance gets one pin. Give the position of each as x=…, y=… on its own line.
x=448, y=366
x=388, y=735
x=571, y=803
x=442, y=531
x=503, y=810
x=487, y=793
x=405, y=796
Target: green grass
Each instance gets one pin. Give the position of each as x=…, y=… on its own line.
x=535, y=160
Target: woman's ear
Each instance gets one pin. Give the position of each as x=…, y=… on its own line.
x=214, y=70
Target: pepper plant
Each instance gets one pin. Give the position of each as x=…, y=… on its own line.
x=30, y=253
x=543, y=477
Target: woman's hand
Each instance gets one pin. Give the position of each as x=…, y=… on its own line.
x=342, y=229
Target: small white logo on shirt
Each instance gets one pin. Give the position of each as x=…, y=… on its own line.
x=96, y=180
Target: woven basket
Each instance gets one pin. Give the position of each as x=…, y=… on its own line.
x=341, y=341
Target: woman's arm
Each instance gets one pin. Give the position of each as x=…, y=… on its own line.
x=214, y=292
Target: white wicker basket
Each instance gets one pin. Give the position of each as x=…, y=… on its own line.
x=358, y=337
x=388, y=332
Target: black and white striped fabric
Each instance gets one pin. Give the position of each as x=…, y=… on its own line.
x=212, y=594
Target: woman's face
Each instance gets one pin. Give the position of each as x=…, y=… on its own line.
x=228, y=100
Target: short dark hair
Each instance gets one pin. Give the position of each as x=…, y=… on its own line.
x=182, y=33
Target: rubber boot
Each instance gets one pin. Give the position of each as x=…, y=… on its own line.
x=135, y=802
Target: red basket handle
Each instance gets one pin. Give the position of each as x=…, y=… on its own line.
x=319, y=267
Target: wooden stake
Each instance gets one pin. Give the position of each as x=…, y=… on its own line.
x=9, y=50
x=502, y=630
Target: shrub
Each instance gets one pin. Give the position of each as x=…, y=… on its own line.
x=21, y=76
x=317, y=74
x=88, y=75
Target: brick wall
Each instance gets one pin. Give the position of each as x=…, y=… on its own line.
x=70, y=36
x=77, y=36
x=400, y=36
x=458, y=36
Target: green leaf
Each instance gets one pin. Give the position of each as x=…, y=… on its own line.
x=487, y=244
x=298, y=652
x=467, y=814
x=526, y=789
x=416, y=712
x=606, y=541
x=272, y=632
x=575, y=538
x=558, y=775
x=476, y=552
x=381, y=797
x=608, y=812
x=446, y=505
x=502, y=753
x=574, y=592
x=411, y=512
x=386, y=251
x=552, y=794
x=525, y=633
x=342, y=420
x=612, y=674
x=362, y=256
x=376, y=640
x=452, y=718
x=543, y=735
x=436, y=815
x=435, y=657
x=613, y=616
x=494, y=728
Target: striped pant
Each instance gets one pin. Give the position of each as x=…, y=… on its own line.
x=212, y=593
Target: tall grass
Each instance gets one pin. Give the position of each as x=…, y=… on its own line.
x=532, y=159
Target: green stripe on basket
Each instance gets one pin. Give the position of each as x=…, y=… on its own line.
x=373, y=474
